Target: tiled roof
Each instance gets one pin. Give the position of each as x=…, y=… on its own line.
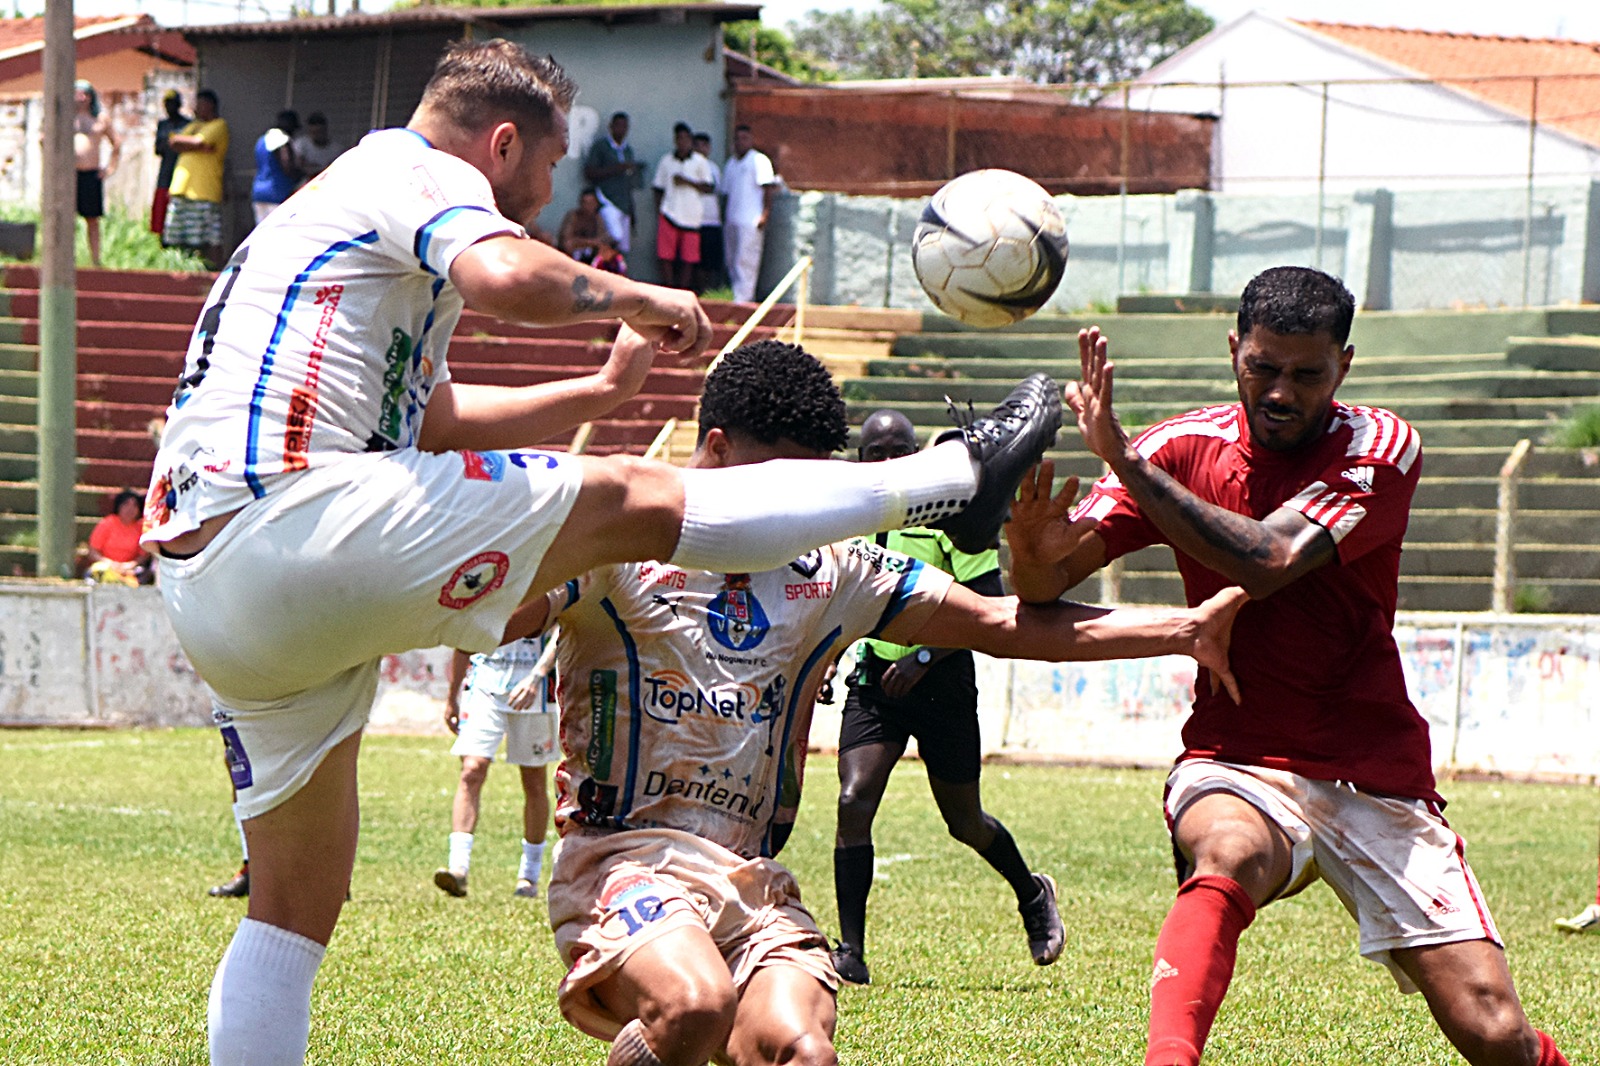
x=18, y=34
x=1569, y=86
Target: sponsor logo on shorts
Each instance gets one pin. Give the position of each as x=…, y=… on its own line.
x=483, y=466
x=535, y=460
x=1441, y=905
x=474, y=579
x=238, y=761
x=669, y=695
x=735, y=617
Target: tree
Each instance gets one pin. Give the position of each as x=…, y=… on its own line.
x=776, y=49
x=1085, y=42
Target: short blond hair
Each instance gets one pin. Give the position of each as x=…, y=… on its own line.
x=476, y=84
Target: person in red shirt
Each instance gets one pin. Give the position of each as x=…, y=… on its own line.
x=1324, y=770
x=114, y=541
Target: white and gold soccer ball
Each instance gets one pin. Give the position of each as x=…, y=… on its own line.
x=990, y=248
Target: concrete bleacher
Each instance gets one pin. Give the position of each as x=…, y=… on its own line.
x=1472, y=382
x=133, y=330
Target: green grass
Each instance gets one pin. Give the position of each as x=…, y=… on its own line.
x=1580, y=429
x=126, y=242
x=108, y=942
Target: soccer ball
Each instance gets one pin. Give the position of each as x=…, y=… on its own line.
x=990, y=248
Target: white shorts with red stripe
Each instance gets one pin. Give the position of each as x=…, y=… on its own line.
x=1395, y=863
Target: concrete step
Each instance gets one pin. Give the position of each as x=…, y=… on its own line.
x=1563, y=353
x=18, y=560
x=21, y=496
x=23, y=358
x=1543, y=494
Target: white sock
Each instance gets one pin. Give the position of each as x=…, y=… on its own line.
x=747, y=519
x=460, y=852
x=244, y=845
x=532, y=860
x=260, y=1008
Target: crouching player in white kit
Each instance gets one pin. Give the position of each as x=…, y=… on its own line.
x=325, y=494
x=505, y=694
x=686, y=701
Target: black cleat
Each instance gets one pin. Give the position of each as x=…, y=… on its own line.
x=451, y=882
x=236, y=887
x=1046, y=936
x=1006, y=443
x=851, y=967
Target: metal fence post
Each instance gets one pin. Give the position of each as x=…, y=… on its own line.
x=1505, y=519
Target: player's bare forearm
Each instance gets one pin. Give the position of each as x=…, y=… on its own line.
x=523, y=280
x=1261, y=555
x=494, y=417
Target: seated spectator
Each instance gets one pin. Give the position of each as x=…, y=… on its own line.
x=314, y=149
x=581, y=229
x=609, y=257
x=277, y=171
x=114, y=552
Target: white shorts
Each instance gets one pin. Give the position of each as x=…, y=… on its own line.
x=286, y=613
x=486, y=717
x=613, y=892
x=1394, y=863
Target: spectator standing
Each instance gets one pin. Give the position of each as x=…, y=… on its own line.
x=91, y=129
x=277, y=171
x=581, y=228
x=611, y=168
x=750, y=184
x=710, y=273
x=682, y=177
x=194, y=211
x=314, y=149
x=175, y=120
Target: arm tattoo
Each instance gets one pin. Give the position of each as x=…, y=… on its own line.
x=583, y=299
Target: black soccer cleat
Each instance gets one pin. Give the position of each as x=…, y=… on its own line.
x=236, y=887
x=1046, y=935
x=1006, y=443
x=849, y=964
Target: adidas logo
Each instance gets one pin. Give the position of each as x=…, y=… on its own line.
x=1359, y=476
x=1163, y=970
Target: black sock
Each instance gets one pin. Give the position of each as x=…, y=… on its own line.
x=1003, y=855
x=852, y=880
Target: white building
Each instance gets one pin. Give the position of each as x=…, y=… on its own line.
x=1367, y=106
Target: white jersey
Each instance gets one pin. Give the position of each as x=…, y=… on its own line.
x=502, y=671
x=686, y=696
x=326, y=333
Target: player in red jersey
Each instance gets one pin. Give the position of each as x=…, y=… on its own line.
x=1325, y=769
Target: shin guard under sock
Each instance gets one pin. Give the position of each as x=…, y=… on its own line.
x=1195, y=955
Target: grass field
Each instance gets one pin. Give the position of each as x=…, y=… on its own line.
x=108, y=942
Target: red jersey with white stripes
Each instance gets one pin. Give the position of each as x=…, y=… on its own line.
x=1317, y=663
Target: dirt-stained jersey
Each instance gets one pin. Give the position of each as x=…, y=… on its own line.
x=686, y=696
x=326, y=332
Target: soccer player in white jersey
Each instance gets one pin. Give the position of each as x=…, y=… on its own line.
x=507, y=694
x=325, y=494
x=686, y=700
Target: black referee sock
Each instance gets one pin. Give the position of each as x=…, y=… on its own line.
x=852, y=881
x=1003, y=855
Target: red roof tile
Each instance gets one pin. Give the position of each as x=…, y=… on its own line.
x=20, y=33
x=1569, y=86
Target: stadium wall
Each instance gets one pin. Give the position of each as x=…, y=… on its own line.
x=1515, y=695
x=1397, y=249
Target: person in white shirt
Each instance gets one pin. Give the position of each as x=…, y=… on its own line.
x=314, y=149
x=751, y=185
x=683, y=177
x=309, y=520
x=709, y=275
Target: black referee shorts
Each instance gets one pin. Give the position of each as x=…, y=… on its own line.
x=941, y=712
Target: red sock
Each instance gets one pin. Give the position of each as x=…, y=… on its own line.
x=1194, y=963
x=1549, y=1054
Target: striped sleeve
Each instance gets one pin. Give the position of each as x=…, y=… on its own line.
x=439, y=207
x=1363, y=499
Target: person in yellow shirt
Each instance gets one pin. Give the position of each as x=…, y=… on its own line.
x=194, y=212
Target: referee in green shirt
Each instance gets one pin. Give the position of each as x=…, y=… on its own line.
x=897, y=693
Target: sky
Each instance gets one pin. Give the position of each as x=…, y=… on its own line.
x=1572, y=19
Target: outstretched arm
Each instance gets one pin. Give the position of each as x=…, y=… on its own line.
x=1069, y=632
x=495, y=416
x=523, y=280
x=1050, y=552
x=1261, y=555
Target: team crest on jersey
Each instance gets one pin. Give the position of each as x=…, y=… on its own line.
x=736, y=618
x=474, y=579
x=483, y=466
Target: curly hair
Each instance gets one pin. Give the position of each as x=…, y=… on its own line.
x=771, y=391
x=1297, y=301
